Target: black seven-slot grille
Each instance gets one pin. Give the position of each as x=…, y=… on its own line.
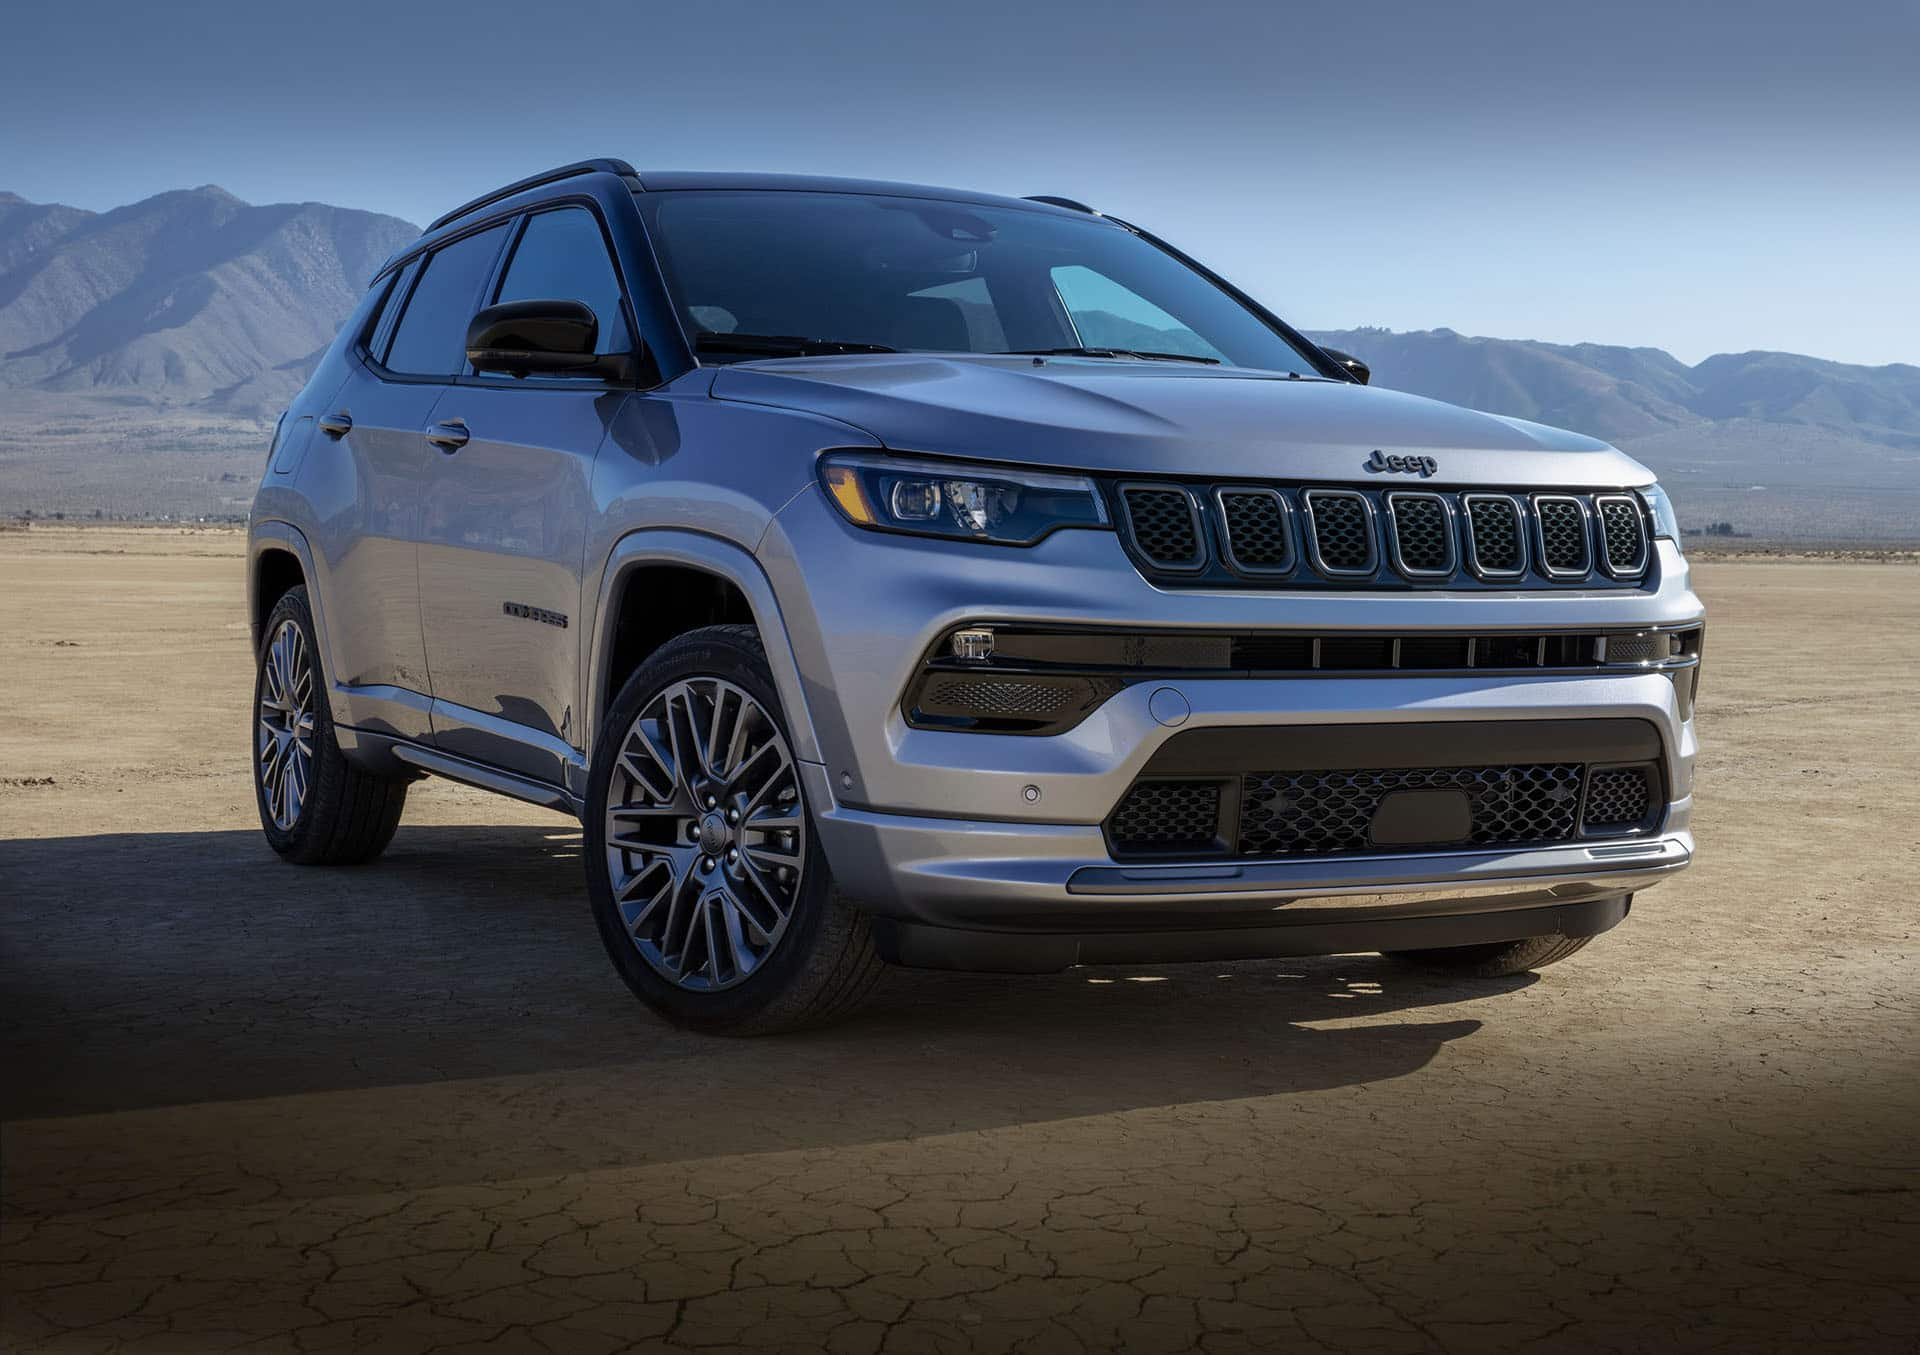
x=1388, y=537
x=1318, y=807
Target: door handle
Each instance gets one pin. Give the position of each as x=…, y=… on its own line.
x=450, y=436
x=337, y=426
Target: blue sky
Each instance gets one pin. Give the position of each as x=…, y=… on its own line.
x=1701, y=177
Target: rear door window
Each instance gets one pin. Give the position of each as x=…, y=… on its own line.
x=431, y=339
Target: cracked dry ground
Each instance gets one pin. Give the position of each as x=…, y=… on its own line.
x=408, y=1107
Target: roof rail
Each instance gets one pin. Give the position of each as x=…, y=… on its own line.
x=579, y=167
x=1067, y=203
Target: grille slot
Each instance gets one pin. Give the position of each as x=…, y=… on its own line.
x=1164, y=525
x=1496, y=545
x=1619, y=799
x=1422, y=535
x=1167, y=816
x=1564, y=545
x=1623, y=535
x=1340, y=532
x=1325, y=813
x=1258, y=528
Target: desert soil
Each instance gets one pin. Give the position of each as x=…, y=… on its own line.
x=409, y=1107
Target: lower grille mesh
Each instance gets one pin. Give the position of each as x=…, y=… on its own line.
x=1320, y=813
x=1619, y=799
x=1158, y=816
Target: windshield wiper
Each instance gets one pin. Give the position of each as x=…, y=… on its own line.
x=1141, y=353
x=782, y=345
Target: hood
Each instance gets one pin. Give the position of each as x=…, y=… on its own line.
x=1155, y=418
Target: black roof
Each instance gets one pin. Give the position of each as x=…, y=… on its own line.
x=669, y=181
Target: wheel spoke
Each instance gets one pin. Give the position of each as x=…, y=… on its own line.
x=631, y=766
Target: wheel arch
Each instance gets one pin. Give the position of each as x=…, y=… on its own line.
x=279, y=559
x=724, y=583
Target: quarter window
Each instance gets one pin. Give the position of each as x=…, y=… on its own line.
x=432, y=337
x=562, y=256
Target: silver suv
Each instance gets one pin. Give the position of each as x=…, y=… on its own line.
x=887, y=573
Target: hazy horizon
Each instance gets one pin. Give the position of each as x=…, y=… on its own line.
x=1698, y=182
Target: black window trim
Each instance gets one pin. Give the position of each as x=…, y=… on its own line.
x=378, y=365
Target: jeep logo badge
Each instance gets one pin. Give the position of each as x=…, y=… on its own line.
x=1403, y=465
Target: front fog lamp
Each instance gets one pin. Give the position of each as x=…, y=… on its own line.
x=978, y=503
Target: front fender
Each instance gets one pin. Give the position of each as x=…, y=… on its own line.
x=667, y=546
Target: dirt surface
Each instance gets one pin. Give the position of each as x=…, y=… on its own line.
x=409, y=1107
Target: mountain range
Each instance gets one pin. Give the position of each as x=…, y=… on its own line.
x=188, y=297
x=143, y=351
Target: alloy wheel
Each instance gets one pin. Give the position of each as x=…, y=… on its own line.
x=284, y=746
x=705, y=834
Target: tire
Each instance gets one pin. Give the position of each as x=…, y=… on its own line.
x=719, y=943
x=1495, y=960
x=323, y=811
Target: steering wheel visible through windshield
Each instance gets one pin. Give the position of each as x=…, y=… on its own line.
x=781, y=273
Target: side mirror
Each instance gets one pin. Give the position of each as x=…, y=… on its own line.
x=549, y=337
x=1353, y=367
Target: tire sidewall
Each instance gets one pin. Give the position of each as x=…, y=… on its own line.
x=292, y=606
x=713, y=655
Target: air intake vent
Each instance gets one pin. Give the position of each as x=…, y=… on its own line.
x=1564, y=547
x=1259, y=530
x=1001, y=697
x=1316, y=813
x=1422, y=535
x=1164, y=525
x=1623, y=535
x=1340, y=532
x=1619, y=799
x=1167, y=816
x=1496, y=543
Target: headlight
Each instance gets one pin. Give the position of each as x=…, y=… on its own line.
x=1665, y=523
x=952, y=498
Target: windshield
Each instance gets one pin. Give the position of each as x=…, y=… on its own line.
x=794, y=272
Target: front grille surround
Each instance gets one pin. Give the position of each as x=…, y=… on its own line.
x=1488, y=517
x=1257, y=531
x=1334, y=518
x=1565, y=536
x=1624, y=550
x=1411, y=527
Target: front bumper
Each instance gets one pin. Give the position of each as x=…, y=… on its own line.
x=986, y=850
x=970, y=894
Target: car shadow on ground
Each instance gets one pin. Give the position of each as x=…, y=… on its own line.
x=155, y=970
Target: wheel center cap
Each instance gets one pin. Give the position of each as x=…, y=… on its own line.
x=714, y=834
